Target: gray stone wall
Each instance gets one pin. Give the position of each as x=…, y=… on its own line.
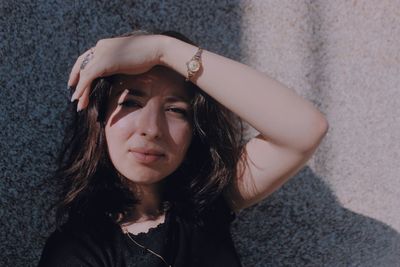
x=343, y=56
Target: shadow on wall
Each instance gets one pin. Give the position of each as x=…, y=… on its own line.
x=303, y=224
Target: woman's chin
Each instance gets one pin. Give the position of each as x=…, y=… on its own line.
x=144, y=180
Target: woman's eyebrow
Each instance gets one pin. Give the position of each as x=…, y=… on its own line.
x=170, y=98
x=177, y=98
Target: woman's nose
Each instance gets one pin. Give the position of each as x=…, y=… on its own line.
x=150, y=121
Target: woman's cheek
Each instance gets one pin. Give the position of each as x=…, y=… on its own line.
x=182, y=136
x=123, y=128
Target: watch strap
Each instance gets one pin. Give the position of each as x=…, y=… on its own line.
x=197, y=58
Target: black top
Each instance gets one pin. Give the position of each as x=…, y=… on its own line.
x=181, y=242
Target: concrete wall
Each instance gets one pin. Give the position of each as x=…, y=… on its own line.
x=340, y=210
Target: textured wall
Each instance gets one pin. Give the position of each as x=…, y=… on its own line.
x=340, y=210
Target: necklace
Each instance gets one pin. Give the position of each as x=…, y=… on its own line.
x=147, y=249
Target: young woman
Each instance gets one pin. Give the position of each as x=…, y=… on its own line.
x=155, y=163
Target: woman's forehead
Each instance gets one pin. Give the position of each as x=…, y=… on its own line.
x=156, y=80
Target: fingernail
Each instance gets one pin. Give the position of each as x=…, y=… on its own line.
x=73, y=98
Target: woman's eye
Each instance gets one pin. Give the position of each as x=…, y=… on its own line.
x=178, y=110
x=129, y=103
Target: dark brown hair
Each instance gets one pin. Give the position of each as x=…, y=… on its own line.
x=92, y=186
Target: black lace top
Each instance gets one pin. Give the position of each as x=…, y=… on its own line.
x=181, y=242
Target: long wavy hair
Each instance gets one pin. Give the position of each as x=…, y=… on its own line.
x=91, y=184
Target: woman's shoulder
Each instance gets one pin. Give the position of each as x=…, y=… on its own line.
x=77, y=243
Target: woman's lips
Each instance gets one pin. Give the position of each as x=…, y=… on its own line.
x=145, y=158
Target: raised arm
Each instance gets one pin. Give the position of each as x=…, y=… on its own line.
x=276, y=111
x=290, y=127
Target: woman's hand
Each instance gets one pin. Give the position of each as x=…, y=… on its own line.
x=127, y=55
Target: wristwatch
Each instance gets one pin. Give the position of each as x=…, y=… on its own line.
x=194, y=64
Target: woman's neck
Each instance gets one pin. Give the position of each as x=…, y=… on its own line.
x=146, y=214
x=149, y=207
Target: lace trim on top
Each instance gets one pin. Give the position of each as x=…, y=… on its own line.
x=156, y=228
x=150, y=230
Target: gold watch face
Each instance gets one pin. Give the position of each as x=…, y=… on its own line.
x=194, y=65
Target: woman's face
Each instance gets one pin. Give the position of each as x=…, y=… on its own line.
x=148, y=124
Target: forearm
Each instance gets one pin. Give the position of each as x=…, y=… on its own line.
x=273, y=109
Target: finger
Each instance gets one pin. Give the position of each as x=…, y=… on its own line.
x=75, y=72
x=87, y=73
x=86, y=78
x=83, y=101
x=73, y=76
x=85, y=98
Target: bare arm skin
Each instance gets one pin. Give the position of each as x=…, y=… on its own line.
x=290, y=127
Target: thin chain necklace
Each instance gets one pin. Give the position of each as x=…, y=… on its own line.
x=147, y=249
